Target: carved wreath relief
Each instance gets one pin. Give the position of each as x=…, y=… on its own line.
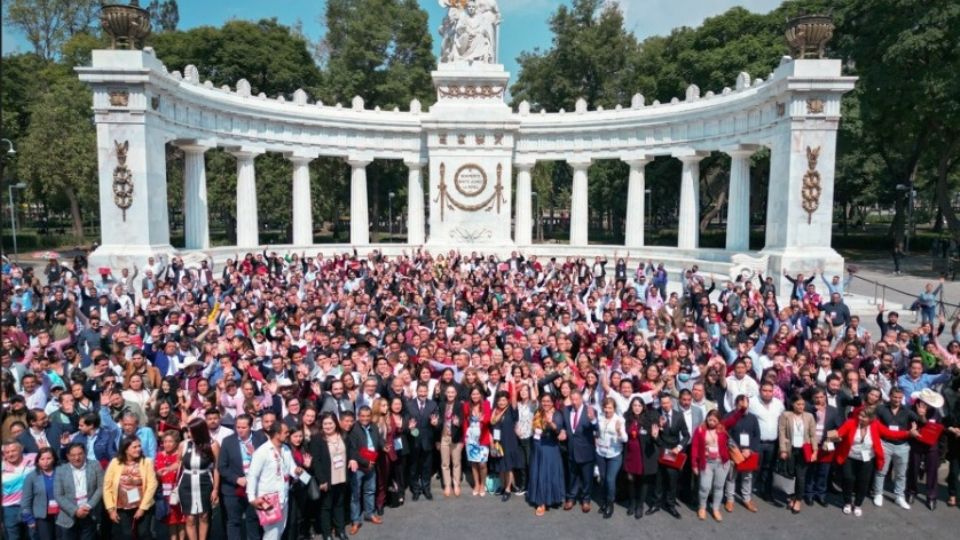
x=811, y=184
x=469, y=181
x=122, y=179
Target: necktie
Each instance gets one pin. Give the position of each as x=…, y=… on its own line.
x=576, y=418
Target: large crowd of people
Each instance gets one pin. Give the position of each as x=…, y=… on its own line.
x=296, y=396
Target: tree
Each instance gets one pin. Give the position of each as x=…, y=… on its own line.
x=60, y=119
x=48, y=24
x=164, y=15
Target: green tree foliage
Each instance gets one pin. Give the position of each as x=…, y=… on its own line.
x=48, y=24
x=164, y=15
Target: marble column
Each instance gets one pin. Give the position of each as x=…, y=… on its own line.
x=196, y=221
x=359, y=211
x=248, y=228
x=416, y=216
x=579, y=209
x=302, y=201
x=688, y=230
x=523, y=235
x=636, y=202
x=738, y=204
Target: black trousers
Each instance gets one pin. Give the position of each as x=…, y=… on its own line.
x=520, y=475
x=242, y=521
x=421, y=468
x=768, y=460
x=130, y=529
x=857, y=476
x=333, y=506
x=800, y=467
x=46, y=529
x=668, y=487
x=953, y=458
x=581, y=479
x=640, y=487
x=83, y=529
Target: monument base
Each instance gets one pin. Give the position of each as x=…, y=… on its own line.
x=808, y=261
x=116, y=257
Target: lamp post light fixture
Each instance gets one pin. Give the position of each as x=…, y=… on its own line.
x=13, y=213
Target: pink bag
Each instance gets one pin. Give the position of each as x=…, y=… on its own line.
x=274, y=513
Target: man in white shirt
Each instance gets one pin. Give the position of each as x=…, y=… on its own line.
x=271, y=472
x=739, y=384
x=767, y=409
x=217, y=431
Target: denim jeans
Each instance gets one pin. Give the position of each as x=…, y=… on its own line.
x=609, y=467
x=712, y=478
x=818, y=475
x=898, y=457
x=746, y=485
x=363, y=484
x=13, y=523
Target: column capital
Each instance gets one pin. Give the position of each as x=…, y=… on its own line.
x=358, y=162
x=524, y=164
x=690, y=155
x=300, y=157
x=579, y=162
x=245, y=152
x=637, y=161
x=741, y=150
x=415, y=164
x=194, y=146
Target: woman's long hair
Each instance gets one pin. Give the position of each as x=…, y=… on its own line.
x=200, y=435
x=125, y=443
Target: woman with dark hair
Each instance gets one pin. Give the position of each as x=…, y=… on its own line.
x=451, y=441
x=396, y=437
x=329, y=468
x=710, y=461
x=641, y=453
x=39, y=506
x=476, y=437
x=199, y=487
x=546, y=486
x=168, y=470
x=129, y=484
x=298, y=517
x=505, y=448
x=798, y=437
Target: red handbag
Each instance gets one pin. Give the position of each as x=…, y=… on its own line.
x=673, y=460
x=749, y=464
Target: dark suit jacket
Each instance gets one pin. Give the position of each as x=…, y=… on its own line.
x=426, y=432
x=748, y=425
x=581, y=447
x=675, y=433
x=832, y=421
x=230, y=463
x=357, y=439
x=104, y=447
x=320, y=455
x=52, y=432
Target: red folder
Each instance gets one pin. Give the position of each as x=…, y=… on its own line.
x=749, y=464
x=674, y=461
x=808, y=452
x=930, y=433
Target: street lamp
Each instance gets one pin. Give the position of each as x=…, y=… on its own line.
x=390, y=197
x=13, y=213
x=10, y=150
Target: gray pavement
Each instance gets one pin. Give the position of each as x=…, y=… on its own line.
x=488, y=517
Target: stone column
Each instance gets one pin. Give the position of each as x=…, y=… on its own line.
x=416, y=216
x=636, y=201
x=523, y=235
x=248, y=228
x=302, y=207
x=359, y=211
x=738, y=204
x=688, y=230
x=579, y=209
x=196, y=221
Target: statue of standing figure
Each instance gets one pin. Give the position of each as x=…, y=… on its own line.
x=469, y=31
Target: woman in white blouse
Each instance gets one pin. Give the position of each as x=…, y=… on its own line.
x=611, y=434
x=272, y=470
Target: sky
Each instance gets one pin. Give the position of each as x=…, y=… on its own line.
x=524, y=28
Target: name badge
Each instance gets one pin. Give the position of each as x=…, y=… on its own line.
x=133, y=495
x=338, y=462
x=496, y=434
x=537, y=433
x=397, y=443
x=744, y=439
x=894, y=428
x=828, y=446
x=168, y=488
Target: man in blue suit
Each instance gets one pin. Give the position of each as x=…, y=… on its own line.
x=235, y=455
x=99, y=440
x=581, y=451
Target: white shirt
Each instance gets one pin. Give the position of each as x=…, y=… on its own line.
x=688, y=418
x=768, y=416
x=862, y=447
x=269, y=470
x=735, y=387
x=79, y=482
x=611, y=434
x=220, y=434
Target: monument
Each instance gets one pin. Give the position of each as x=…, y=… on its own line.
x=474, y=147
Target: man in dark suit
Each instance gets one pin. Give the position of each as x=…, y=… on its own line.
x=581, y=451
x=674, y=436
x=424, y=419
x=235, y=455
x=818, y=474
x=40, y=433
x=364, y=443
x=744, y=434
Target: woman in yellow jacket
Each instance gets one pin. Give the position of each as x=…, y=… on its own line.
x=128, y=488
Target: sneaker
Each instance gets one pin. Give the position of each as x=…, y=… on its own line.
x=902, y=503
x=857, y=512
x=878, y=500
x=847, y=509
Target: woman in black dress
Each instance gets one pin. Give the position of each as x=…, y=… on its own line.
x=641, y=453
x=199, y=481
x=505, y=447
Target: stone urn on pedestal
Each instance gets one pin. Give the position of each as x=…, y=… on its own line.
x=808, y=35
x=126, y=24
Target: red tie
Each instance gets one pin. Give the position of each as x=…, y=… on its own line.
x=576, y=418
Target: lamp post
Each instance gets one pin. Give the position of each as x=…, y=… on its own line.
x=390, y=197
x=13, y=217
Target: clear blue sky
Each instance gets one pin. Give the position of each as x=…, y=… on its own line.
x=524, y=21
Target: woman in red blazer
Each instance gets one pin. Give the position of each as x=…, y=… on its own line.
x=710, y=460
x=476, y=437
x=860, y=450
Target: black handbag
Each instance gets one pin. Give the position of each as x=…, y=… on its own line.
x=313, y=490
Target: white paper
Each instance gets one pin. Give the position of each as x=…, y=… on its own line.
x=304, y=477
x=496, y=434
x=133, y=495
x=744, y=440
x=894, y=428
